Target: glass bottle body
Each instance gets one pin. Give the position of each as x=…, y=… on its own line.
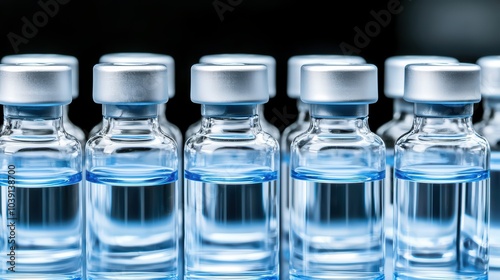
x=441, y=196
x=489, y=128
x=293, y=130
x=336, y=187
x=40, y=196
x=132, y=197
x=231, y=200
x=401, y=123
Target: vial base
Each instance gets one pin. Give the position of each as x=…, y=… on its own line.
x=132, y=224
x=442, y=225
x=231, y=228
x=336, y=229
x=42, y=233
x=494, y=236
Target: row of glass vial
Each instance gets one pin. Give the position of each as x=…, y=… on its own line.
x=112, y=109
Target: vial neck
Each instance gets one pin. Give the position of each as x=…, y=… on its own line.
x=304, y=112
x=130, y=111
x=453, y=111
x=449, y=119
x=129, y=119
x=339, y=111
x=28, y=120
x=491, y=108
x=229, y=118
x=338, y=125
x=162, y=112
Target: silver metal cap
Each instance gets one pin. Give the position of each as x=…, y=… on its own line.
x=224, y=84
x=47, y=58
x=442, y=83
x=141, y=57
x=342, y=83
x=267, y=60
x=35, y=84
x=394, y=76
x=296, y=62
x=126, y=83
x=490, y=75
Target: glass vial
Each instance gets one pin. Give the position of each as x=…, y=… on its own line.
x=489, y=127
x=266, y=60
x=402, y=121
x=441, y=202
x=133, y=57
x=166, y=126
x=231, y=178
x=337, y=169
x=72, y=62
x=41, y=165
x=300, y=125
x=131, y=178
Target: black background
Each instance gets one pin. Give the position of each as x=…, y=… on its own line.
x=187, y=30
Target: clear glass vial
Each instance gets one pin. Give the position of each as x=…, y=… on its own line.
x=300, y=125
x=402, y=121
x=266, y=60
x=166, y=126
x=140, y=57
x=231, y=178
x=337, y=169
x=72, y=62
x=489, y=127
x=131, y=178
x=41, y=165
x=441, y=202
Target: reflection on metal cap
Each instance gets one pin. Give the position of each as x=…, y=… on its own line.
x=267, y=60
x=394, y=77
x=143, y=57
x=342, y=83
x=35, y=84
x=223, y=84
x=296, y=62
x=69, y=60
x=490, y=75
x=442, y=83
x=126, y=83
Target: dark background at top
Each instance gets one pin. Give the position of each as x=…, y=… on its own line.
x=187, y=30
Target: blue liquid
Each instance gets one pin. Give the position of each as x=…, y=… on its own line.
x=132, y=223
x=389, y=211
x=231, y=225
x=494, y=236
x=442, y=223
x=336, y=224
x=48, y=229
x=285, y=217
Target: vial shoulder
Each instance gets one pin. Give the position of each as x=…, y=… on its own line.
x=393, y=130
x=491, y=134
x=56, y=141
x=152, y=141
x=360, y=145
x=207, y=143
x=293, y=131
x=172, y=130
